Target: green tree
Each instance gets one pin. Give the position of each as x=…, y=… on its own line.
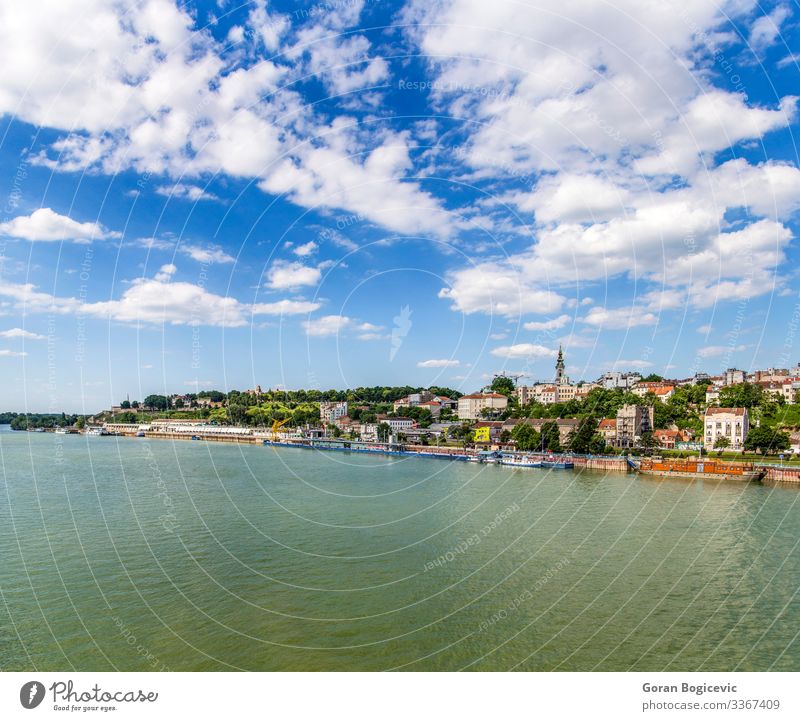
x=550, y=436
x=526, y=437
x=648, y=441
x=125, y=405
x=156, y=402
x=766, y=440
x=741, y=395
x=384, y=431
x=580, y=440
x=721, y=443
x=503, y=385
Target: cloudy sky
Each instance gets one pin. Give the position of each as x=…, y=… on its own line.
x=220, y=194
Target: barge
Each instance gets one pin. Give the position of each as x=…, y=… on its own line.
x=699, y=468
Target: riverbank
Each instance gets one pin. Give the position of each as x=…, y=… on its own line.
x=772, y=473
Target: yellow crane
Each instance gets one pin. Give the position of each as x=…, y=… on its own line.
x=277, y=425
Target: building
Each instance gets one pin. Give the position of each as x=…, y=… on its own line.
x=614, y=379
x=659, y=389
x=730, y=423
x=434, y=407
x=561, y=376
x=565, y=425
x=632, y=422
x=330, y=411
x=607, y=428
x=712, y=395
x=668, y=438
x=496, y=428
x=399, y=424
x=470, y=407
x=733, y=376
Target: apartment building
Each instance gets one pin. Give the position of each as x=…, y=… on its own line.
x=730, y=423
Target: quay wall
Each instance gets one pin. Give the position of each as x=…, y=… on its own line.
x=778, y=474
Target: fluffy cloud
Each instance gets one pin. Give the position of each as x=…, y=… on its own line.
x=326, y=325
x=609, y=147
x=499, y=288
x=616, y=318
x=151, y=90
x=45, y=224
x=21, y=333
x=286, y=274
x=524, y=350
x=551, y=324
x=206, y=255
x=12, y=353
x=713, y=351
x=186, y=192
x=157, y=301
x=305, y=249
x=438, y=363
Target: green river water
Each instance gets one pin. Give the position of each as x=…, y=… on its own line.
x=135, y=554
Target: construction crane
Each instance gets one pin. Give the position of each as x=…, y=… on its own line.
x=276, y=425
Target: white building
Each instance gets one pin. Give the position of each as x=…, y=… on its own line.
x=470, y=407
x=398, y=425
x=730, y=423
x=330, y=411
x=613, y=379
x=733, y=377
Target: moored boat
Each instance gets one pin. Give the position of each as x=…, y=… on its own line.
x=508, y=459
x=711, y=469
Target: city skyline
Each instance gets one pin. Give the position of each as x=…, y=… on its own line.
x=316, y=198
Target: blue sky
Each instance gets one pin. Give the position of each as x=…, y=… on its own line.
x=223, y=194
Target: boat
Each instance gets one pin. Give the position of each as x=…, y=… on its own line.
x=140, y=434
x=95, y=431
x=519, y=461
x=61, y=431
x=711, y=469
x=561, y=463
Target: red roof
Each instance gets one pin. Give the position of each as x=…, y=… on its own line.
x=718, y=411
x=608, y=423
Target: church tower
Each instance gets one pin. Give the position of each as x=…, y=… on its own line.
x=561, y=378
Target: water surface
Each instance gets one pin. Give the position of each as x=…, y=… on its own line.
x=139, y=554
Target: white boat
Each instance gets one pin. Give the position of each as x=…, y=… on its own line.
x=96, y=432
x=520, y=462
x=61, y=431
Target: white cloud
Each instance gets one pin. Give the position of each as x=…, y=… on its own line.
x=155, y=301
x=712, y=351
x=152, y=90
x=45, y=224
x=12, y=353
x=306, y=249
x=524, y=350
x=615, y=318
x=206, y=255
x=290, y=274
x=498, y=288
x=638, y=363
x=438, y=363
x=186, y=191
x=551, y=324
x=21, y=333
x=326, y=325
x=767, y=28
x=286, y=307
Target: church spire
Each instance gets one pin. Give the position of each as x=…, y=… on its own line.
x=560, y=377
